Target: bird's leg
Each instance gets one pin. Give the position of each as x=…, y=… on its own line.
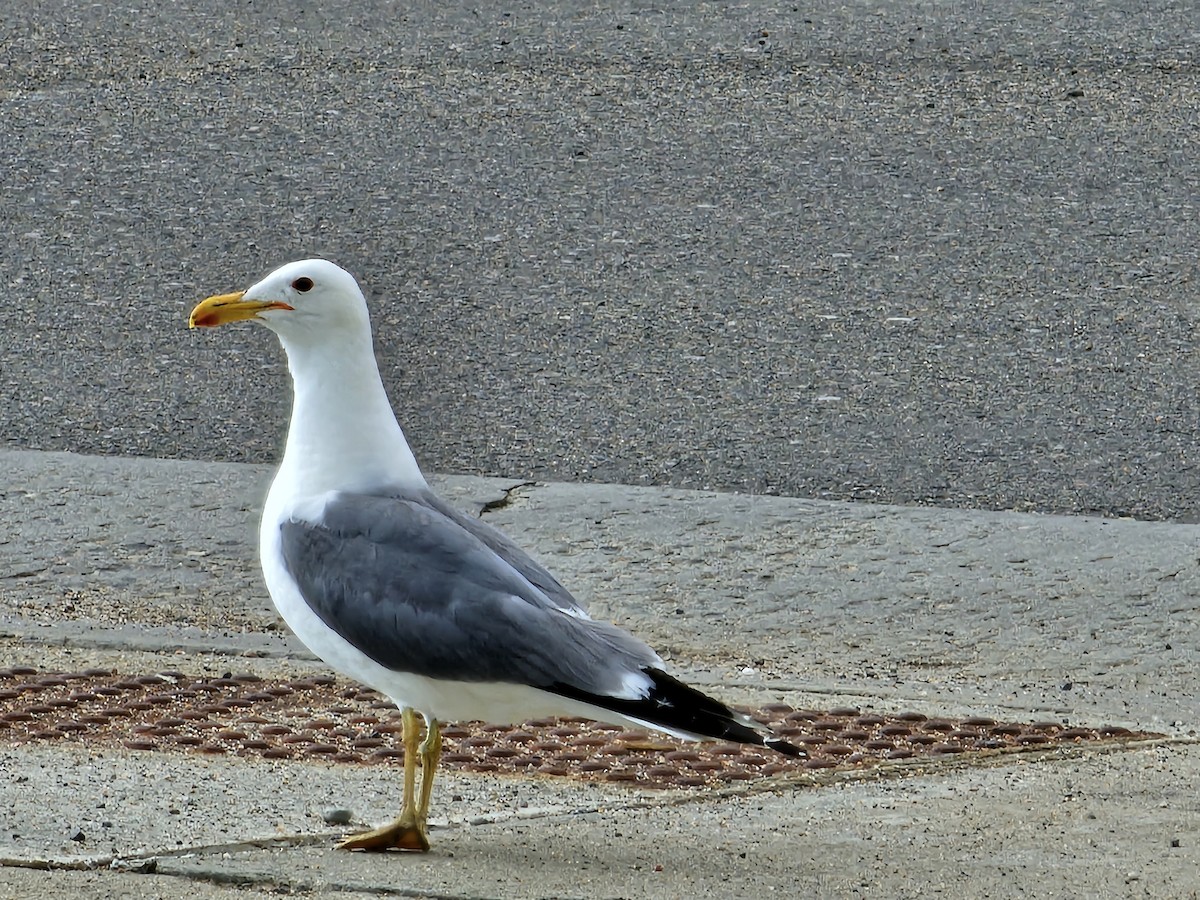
x=412, y=731
x=408, y=832
x=431, y=752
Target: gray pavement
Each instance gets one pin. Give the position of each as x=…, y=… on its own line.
x=135, y=564
x=934, y=253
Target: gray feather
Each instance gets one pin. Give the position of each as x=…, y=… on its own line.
x=415, y=587
x=501, y=544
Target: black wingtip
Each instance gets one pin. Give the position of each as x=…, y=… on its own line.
x=677, y=707
x=781, y=746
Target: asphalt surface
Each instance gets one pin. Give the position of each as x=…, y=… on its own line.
x=934, y=253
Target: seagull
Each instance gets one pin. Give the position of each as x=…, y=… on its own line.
x=392, y=586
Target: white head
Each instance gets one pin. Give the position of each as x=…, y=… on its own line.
x=343, y=434
x=305, y=302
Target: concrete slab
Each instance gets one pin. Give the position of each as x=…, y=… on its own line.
x=1061, y=828
x=76, y=807
x=142, y=565
x=1060, y=821
x=1077, y=618
x=24, y=884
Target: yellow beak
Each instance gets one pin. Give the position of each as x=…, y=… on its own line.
x=225, y=308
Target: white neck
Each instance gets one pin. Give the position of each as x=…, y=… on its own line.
x=344, y=435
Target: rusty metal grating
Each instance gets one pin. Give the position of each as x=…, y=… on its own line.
x=322, y=718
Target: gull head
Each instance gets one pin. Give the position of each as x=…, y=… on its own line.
x=305, y=301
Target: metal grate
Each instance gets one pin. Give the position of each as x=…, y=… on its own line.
x=322, y=718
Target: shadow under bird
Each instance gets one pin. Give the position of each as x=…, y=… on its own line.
x=392, y=586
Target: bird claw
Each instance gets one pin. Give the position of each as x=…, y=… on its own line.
x=397, y=836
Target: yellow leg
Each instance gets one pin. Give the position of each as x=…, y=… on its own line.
x=431, y=752
x=412, y=732
x=408, y=832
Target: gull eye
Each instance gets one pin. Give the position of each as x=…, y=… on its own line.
x=304, y=284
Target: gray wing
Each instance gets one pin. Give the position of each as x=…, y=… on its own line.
x=501, y=544
x=417, y=592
